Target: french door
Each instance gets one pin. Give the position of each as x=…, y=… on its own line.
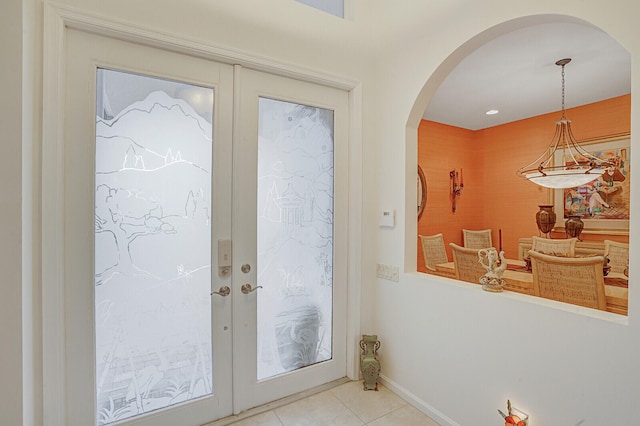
x=289, y=154
x=204, y=235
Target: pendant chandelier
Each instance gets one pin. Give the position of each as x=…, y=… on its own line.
x=576, y=165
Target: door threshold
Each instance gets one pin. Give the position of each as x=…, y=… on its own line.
x=278, y=403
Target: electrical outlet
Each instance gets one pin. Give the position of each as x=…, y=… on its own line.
x=388, y=272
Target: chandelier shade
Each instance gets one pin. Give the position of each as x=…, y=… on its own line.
x=562, y=179
x=575, y=165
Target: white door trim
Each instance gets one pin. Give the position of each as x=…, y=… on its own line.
x=57, y=19
x=250, y=146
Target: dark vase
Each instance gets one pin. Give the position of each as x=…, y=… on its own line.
x=573, y=226
x=545, y=218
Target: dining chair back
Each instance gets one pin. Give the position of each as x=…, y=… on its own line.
x=465, y=261
x=433, y=251
x=477, y=239
x=575, y=280
x=565, y=247
x=618, y=255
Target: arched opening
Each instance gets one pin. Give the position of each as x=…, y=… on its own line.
x=470, y=158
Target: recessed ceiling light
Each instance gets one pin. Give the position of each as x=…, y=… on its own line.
x=492, y=112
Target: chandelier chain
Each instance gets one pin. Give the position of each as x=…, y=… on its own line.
x=562, y=73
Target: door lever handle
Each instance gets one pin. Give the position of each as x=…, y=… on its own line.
x=246, y=288
x=224, y=291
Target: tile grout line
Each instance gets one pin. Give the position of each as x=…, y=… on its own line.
x=273, y=405
x=278, y=416
x=342, y=397
x=346, y=406
x=364, y=422
x=388, y=413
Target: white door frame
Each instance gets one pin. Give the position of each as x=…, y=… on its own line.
x=87, y=54
x=56, y=20
x=251, y=87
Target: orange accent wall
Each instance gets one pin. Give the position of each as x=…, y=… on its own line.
x=493, y=195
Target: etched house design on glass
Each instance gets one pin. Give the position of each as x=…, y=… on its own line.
x=291, y=209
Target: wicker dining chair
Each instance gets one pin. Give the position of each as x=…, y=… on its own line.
x=477, y=239
x=565, y=247
x=433, y=250
x=575, y=280
x=618, y=255
x=466, y=264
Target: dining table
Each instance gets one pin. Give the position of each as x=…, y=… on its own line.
x=520, y=280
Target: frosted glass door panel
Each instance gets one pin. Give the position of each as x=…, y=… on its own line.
x=294, y=236
x=152, y=244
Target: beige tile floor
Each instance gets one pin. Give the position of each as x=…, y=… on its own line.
x=347, y=404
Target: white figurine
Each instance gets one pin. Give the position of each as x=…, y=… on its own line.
x=492, y=280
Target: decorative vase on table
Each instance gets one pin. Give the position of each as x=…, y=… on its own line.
x=545, y=218
x=573, y=226
x=495, y=266
x=369, y=363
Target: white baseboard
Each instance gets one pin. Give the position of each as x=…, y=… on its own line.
x=421, y=405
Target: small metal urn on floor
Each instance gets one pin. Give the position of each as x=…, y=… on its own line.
x=369, y=363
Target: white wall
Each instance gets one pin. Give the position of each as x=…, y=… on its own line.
x=458, y=352
x=10, y=213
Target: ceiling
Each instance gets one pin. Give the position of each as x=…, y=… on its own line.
x=516, y=74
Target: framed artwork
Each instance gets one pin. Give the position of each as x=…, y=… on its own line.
x=604, y=202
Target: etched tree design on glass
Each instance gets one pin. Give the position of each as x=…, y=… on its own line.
x=152, y=244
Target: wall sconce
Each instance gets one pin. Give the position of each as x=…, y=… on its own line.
x=457, y=183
